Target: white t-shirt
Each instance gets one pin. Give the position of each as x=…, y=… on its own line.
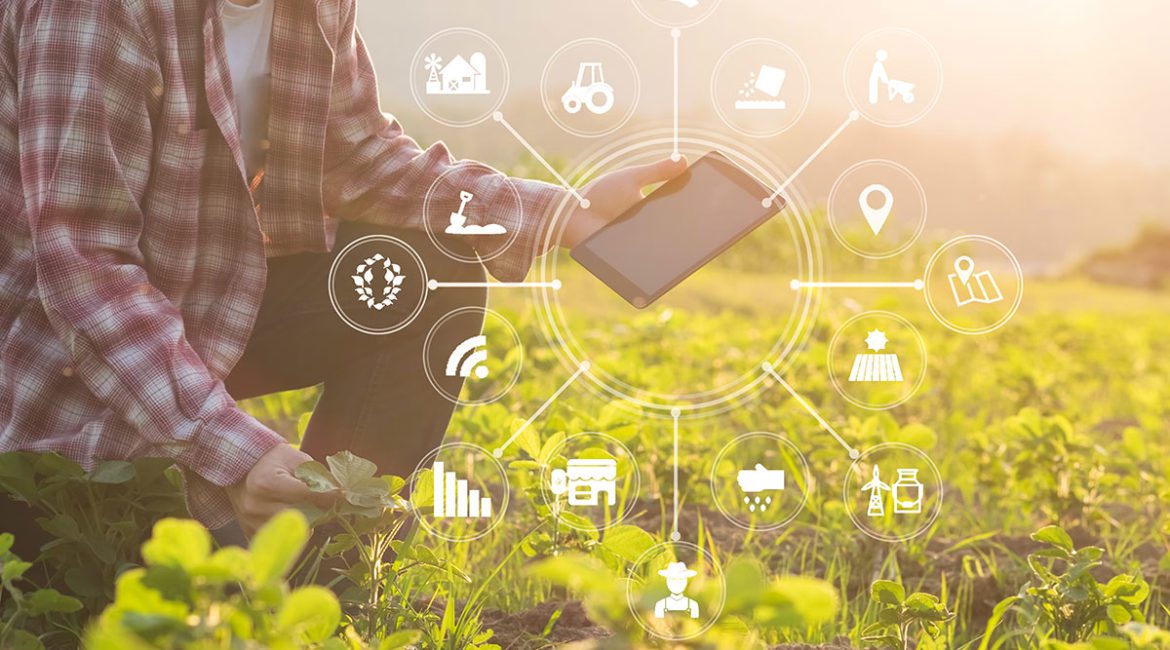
x=247, y=33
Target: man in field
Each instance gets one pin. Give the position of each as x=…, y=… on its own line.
x=174, y=175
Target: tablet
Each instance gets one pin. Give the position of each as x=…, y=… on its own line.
x=672, y=233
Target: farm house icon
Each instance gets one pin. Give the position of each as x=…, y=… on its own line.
x=594, y=94
x=895, y=89
x=585, y=480
x=458, y=77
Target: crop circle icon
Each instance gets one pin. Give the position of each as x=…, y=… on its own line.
x=676, y=14
x=388, y=278
x=795, y=247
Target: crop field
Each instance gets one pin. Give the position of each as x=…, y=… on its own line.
x=1050, y=437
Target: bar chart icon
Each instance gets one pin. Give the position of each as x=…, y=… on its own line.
x=454, y=499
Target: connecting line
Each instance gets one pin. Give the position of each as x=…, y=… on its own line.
x=917, y=285
x=853, y=453
x=675, y=155
x=435, y=284
x=582, y=201
x=853, y=117
x=674, y=535
x=581, y=369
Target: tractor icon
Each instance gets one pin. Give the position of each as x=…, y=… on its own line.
x=596, y=95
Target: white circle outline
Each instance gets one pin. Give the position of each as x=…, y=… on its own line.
x=646, y=555
x=716, y=74
x=350, y=321
x=633, y=502
x=937, y=504
x=499, y=510
x=861, y=403
x=427, y=355
x=754, y=381
x=551, y=110
x=804, y=493
x=1003, y=319
x=937, y=65
x=499, y=97
x=434, y=237
x=682, y=25
x=921, y=220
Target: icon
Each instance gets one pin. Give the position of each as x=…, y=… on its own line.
x=459, y=77
x=596, y=95
x=873, y=366
x=876, y=217
x=907, y=493
x=689, y=4
x=769, y=80
x=364, y=279
x=894, y=89
x=585, y=480
x=978, y=287
x=459, y=225
x=469, y=357
x=760, y=479
x=453, y=499
x=677, y=574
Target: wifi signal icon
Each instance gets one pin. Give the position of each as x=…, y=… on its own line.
x=469, y=357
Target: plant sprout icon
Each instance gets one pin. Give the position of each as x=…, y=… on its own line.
x=364, y=279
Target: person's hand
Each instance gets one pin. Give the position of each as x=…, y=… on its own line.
x=612, y=194
x=271, y=487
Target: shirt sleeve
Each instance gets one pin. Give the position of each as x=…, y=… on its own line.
x=375, y=173
x=85, y=150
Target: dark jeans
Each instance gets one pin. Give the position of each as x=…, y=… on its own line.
x=376, y=400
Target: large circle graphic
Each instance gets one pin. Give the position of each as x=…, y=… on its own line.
x=766, y=322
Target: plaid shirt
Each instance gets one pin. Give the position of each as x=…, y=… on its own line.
x=132, y=251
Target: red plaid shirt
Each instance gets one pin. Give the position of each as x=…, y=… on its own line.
x=132, y=253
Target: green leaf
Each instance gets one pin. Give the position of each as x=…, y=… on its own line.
x=887, y=592
x=6, y=541
x=312, y=613
x=1055, y=536
x=277, y=545
x=22, y=640
x=177, y=542
x=14, y=570
x=400, y=639
x=627, y=542
x=349, y=470
x=42, y=601
x=112, y=472
x=316, y=476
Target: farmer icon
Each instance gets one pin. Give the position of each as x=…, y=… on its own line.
x=895, y=89
x=677, y=574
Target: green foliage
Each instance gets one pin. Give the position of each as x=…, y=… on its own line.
x=23, y=612
x=903, y=620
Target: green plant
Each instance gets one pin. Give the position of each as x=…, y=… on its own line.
x=21, y=610
x=902, y=620
x=1065, y=601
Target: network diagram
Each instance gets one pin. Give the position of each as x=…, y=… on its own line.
x=759, y=480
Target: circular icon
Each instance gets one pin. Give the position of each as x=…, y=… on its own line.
x=459, y=492
x=459, y=77
x=893, y=77
x=485, y=218
x=377, y=284
x=893, y=492
x=760, y=87
x=877, y=209
x=590, y=87
x=676, y=13
x=591, y=481
x=760, y=481
x=676, y=591
x=973, y=284
x=877, y=360
x=473, y=356
x=722, y=381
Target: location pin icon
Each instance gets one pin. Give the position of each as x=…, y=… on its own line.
x=876, y=217
x=963, y=267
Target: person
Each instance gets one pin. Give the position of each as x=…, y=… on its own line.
x=677, y=574
x=174, y=179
